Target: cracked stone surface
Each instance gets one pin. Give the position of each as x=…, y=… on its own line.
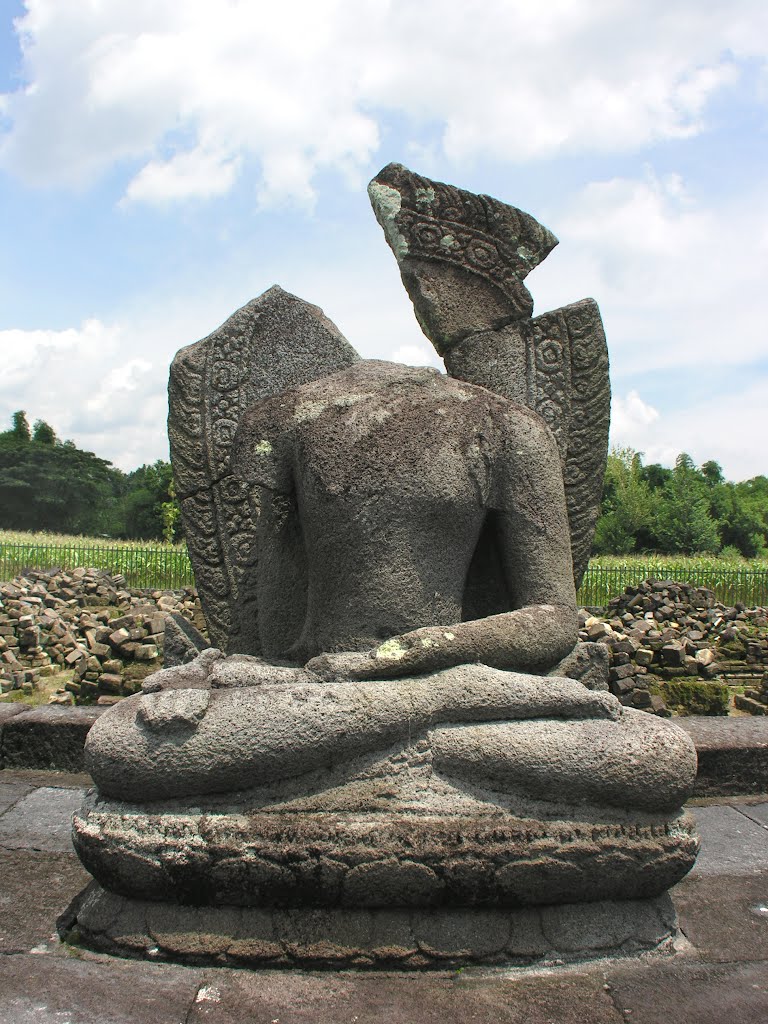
x=738, y=843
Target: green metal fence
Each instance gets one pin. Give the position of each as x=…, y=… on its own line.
x=169, y=568
x=730, y=585
x=163, y=568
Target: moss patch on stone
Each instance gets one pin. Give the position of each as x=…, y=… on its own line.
x=690, y=695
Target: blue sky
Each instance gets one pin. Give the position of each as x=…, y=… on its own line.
x=162, y=163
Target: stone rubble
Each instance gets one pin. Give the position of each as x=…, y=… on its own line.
x=661, y=630
x=754, y=699
x=88, y=621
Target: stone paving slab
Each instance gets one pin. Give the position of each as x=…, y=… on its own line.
x=722, y=976
x=41, y=820
x=35, y=888
x=48, y=737
x=758, y=813
x=43, y=777
x=7, y=711
x=732, y=752
x=725, y=917
x=690, y=993
x=733, y=843
x=11, y=793
x=461, y=998
x=725, y=732
x=59, y=990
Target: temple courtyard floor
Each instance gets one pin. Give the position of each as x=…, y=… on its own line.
x=719, y=974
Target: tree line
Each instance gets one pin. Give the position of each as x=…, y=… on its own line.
x=52, y=485
x=687, y=510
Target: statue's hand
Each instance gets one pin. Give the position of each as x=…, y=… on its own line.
x=423, y=650
x=529, y=639
x=196, y=675
x=169, y=711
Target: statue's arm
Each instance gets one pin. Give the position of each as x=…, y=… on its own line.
x=527, y=505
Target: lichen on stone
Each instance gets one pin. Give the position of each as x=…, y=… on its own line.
x=386, y=202
x=392, y=650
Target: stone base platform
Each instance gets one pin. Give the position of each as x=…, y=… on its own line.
x=365, y=859
x=399, y=938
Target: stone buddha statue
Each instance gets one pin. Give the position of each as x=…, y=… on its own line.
x=394, y=712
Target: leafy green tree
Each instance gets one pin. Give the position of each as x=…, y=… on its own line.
x=681, y=510
x=626, y=507
x=43, y=433
x=656, y=476
x=47, y=484
x=20, y=428
x=683, y=523
x=712, y=473
x=150, y=508
x=741, y=511
x=54, y=486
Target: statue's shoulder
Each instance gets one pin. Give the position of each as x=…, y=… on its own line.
x=514, y=427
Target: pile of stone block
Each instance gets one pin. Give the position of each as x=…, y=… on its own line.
x=110, y=645
x=88, y=621
x=661, y=631
x=755, y=698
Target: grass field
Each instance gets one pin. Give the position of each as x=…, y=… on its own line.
x=731, y=579
x=58, y=540
x=686, y=563
x=166, y=566
x=145, y=564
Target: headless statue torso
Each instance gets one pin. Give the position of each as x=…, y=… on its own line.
x=376, y=484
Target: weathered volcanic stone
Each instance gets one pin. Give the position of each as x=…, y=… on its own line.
x=274, y=342
x=551, y=739
x=7, y=712
x=557, y=365
x=420, y=476
x=182, y=641
x=400, y=939
x=732, y=754
x=48, y=737
x=386, y=769
x=589, y=663
x=463, y=258
x=384, y=858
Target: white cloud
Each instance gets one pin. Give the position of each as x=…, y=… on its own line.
x=729, y=430
x=628, y=414
x=195, y=174
x=27, y=355
x=60, y=377
x=416, y=355
x=191, y=95
x=680, y=284
x=187, y=99
x=118, y=385
x=104, y=385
